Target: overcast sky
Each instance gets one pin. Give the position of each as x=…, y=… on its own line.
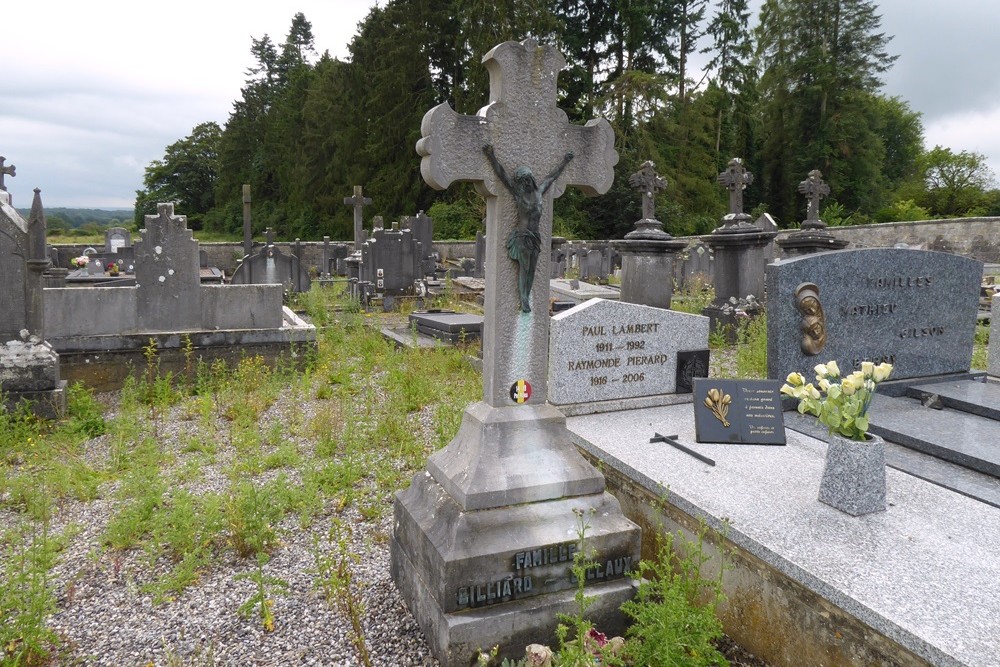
x=92, y=92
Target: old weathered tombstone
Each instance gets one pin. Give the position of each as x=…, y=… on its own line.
x=390, y=262
x=590, y=264
x=812, y=235
x=558, y=257
x=422, y=227
x=507, y=486
x=167, y=274
x=647, y=251
x=480, y=269
x=993, y=356
x=738, y=251
x=269, y=265
x=915, y=309
x=608, y=355
x=358, y=201
x=448, y=325
x=115, y=238
x=29, y=367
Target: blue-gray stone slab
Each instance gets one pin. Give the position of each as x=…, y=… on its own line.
x=913, y=308
x=978, y=398
x=968, y=440
x=924, y=573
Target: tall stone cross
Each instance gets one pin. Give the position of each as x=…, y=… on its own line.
x=358, y=201
x=814, y=189
x=6, y=170
x=648, y=183
x=735, y=179
x=526, y=130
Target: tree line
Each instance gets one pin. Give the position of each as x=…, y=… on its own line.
x=685, y=83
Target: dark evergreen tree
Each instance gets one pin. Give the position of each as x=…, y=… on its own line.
x=822, y=62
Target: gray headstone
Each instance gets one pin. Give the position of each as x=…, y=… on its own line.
x=994, y=351
x=115, y=238
x=915, y=309
x=167, y=274
x=29, y=367
x=608, y=350
x=422, y=227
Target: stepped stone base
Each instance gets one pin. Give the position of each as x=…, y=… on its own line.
x=484, y=541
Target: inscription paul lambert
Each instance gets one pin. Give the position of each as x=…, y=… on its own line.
x=624, y=343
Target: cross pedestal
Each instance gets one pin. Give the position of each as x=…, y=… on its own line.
x=812, y=236
x=483, y=539
x=648, y=252
x=738, y=247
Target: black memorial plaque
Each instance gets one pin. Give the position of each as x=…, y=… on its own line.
x=743, y=412
x=691, y=364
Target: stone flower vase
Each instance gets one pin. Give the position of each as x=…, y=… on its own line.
x=854, y=476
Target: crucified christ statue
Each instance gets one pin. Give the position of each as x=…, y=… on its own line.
x=525, y=243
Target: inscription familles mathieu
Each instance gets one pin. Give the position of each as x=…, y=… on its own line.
x=521, y=582
x=888, y=307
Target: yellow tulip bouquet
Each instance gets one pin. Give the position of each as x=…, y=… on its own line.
x=839, y=403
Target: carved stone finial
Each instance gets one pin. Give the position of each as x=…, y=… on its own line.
x=814, y=189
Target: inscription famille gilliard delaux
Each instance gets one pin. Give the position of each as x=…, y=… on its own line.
x=552, y=562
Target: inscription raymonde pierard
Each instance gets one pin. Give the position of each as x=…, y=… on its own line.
x=553, y=562
x=626, y=352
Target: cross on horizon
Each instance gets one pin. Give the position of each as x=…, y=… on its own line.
x=814, y=189
x=6, y=170
x=648, y=183
x=358, y=201
x=527, y=131
x=735, y=179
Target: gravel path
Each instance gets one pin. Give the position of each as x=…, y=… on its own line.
x=107, y=616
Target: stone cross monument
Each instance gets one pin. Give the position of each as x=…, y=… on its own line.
x=814, y=189
x=6, y=170
x=739, y=251
x=648, y=183
x=812, y=235
x=358, y=202
x=736, y=178
x=510, y=481
x=647, y=251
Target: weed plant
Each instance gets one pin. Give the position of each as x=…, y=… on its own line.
x=751, y=347
x=980, y=347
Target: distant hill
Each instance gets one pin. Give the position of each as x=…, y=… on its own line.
x=67, y=218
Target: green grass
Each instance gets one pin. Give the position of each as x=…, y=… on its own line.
x=381, y=411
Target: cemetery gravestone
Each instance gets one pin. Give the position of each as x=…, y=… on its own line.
x=647, y=251
x=422, y=227
x=505, y=489
x=269, y=266
x=994, y=352
x=115, y=238
x=812, y=235
x=608, y=351
x=738, y=247
x=29, y=367
x=358, y=202
x=167, y=274
x=915, y=309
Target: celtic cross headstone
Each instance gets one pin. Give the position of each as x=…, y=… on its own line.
x=814, y=189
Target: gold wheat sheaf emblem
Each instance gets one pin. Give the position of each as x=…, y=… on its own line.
x=718, y=403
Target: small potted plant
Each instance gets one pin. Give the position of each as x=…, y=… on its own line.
x=80, y=262
x=854, y=475
x=113, y=269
